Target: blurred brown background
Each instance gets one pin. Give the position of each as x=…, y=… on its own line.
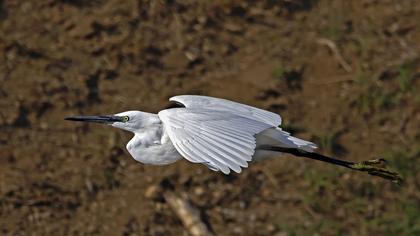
x=344, y=74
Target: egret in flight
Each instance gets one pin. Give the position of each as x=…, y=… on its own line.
x=221, y=134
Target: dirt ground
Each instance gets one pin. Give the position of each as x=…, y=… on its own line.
x=344, y=74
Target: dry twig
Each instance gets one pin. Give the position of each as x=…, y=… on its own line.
x=188, y=214
x=333, y=47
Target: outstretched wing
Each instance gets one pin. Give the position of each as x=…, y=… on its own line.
x=221, y=140
x=195, y=101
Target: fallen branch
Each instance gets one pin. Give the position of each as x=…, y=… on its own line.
x=333, y=47
x=187, y=213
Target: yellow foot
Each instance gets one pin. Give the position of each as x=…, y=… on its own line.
x=371, y=167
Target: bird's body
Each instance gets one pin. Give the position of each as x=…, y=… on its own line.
x=152, y=145
x=221, y=134
x=227, y=134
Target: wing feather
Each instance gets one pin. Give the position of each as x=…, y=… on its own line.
x=196, y=101
x=215, y=156
x=219, y=139
x=197, y=149
x=242, y=147
x=228, y=148
x=226, y=152
x=224, y=133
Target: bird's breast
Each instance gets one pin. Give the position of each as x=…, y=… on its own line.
x=152, y=152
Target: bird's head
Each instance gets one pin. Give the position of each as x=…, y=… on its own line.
x=129, y=120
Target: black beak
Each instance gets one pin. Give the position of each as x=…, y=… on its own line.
x=96, y=119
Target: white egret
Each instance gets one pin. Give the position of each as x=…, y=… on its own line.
x=221, y=134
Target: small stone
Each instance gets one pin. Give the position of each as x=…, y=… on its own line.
x=199, y=191
x=232, y=27
x=271, y=228
x=152, y=192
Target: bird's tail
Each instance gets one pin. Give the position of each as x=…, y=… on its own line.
x=281, y=138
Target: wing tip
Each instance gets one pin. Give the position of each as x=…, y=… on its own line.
x=178, y=98
x=173, y=98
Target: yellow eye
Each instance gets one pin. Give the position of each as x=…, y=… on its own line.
x=126, y=118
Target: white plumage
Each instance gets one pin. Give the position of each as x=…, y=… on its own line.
x=220, y=139
x=218, y=104
x=221, y=134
